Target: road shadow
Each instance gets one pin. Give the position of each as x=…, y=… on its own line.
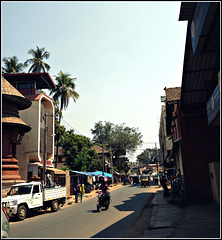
x=95, y=211
x=30, y=215
x=116, y=229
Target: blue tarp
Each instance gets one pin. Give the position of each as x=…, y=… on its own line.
x=79, y=172
x=99, y=173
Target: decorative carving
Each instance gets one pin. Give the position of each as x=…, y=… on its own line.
x=21, y=135
x=17, y=137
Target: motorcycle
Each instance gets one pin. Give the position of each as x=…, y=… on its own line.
x=103, y=200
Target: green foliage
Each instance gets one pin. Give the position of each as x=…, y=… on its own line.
x=65, y=168
x=147, y=156
x=65, y=89
x=79, y=153
x=12, y=65
x=120, y=138
x=59, y=129
x=37, y=63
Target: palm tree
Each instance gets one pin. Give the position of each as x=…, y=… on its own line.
x=65, y=89
x=12, y=65
x=37, y=61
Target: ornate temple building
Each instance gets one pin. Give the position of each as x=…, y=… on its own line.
x=13, y=130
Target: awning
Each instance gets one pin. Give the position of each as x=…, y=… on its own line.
x=98, y=173
x=79, y=172
x=56, y=171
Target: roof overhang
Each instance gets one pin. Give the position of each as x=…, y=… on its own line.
x=43, y=80
x=200, y=70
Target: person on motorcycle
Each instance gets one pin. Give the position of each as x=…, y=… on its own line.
x=104, y=187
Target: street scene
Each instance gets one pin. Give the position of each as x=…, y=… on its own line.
x=111, y=223
x=110, y=120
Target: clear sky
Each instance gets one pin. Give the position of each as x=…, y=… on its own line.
x=123, y=54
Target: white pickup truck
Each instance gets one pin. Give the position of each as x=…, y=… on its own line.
x=26, y=197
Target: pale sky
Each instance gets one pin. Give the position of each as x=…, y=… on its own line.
x=123, y=54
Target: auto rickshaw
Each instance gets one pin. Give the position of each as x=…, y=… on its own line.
x=145, y=180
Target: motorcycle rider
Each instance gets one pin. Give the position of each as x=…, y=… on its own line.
x=104, y=187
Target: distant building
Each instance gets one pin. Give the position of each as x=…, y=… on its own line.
x=107, y=160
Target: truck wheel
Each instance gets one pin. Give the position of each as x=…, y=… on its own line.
x=55, y=206
x=22, y=212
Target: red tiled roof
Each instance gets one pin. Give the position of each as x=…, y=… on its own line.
x=173, y=94
x=98, y=149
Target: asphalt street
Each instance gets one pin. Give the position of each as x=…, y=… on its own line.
x=82, y=220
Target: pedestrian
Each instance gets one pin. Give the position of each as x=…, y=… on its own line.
x=149, y=180
x=76, y=191
x=81, y=190
x=166, y=191
x=49, y=182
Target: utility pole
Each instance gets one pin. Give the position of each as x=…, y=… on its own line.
x=157, y=165
x=103, y=160
x=45, y=149
x=44, y=153
x=111, y=163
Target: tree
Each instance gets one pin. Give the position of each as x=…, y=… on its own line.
x=65, y=89
x=59, y=129
x=38, y=65
x=148, y=156
x=120, y=138
x=12, y=65
x=79, y=153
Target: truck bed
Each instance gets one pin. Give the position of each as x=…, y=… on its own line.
x=54, y=193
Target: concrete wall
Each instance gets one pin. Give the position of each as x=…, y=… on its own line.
x=28, y=150
x=32, y=146
x=199, y=147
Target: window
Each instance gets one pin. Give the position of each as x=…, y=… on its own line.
x=24, y=85
x=36, y=189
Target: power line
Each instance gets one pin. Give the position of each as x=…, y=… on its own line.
x=70, y=126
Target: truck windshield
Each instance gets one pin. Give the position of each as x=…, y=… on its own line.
x=20, y=190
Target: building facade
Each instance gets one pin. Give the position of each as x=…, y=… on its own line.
x=13, y=133
x=39, y=142
x=200, y=100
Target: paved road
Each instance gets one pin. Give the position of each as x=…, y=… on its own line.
x=83, y=221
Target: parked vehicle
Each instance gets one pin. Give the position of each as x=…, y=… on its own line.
x=135, y=179
x=26, y=197
x=103, y=200
x=126, y=180
x=145, y=181
x=88, y=187
x=5, y=225
x=177, y=187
